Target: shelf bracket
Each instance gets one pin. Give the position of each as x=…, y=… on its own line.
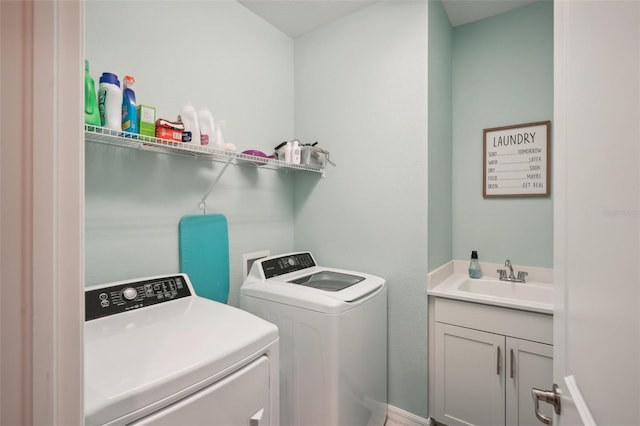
x=203, y=202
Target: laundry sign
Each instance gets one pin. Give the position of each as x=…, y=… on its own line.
x=516, y=160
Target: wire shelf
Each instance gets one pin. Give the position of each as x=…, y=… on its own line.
x=95, y=134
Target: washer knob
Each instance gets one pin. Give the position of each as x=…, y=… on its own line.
x=130, y=293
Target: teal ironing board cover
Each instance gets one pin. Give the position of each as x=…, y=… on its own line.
x=204, y=254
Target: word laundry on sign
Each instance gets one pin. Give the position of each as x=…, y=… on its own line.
x=514, y=139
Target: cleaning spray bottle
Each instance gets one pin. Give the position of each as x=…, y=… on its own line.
x=129, y=110
x=91, y=113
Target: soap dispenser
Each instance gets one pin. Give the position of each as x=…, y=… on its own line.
x=474, y=266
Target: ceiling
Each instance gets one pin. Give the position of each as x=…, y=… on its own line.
x=298, y=17
x=462, y=12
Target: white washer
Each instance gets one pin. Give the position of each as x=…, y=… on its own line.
x=155, y=353
x=333, y=339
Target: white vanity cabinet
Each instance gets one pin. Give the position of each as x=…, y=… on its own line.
x=487, y=359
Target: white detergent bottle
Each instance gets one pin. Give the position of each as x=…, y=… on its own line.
x=110, y=101
x=207, y=127
x=295, y=152
x=189, y=118
x=287, y=152
x=219, y=141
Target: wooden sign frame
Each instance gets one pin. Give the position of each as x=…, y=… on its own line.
x=517, y=160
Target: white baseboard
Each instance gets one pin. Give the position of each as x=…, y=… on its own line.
x=398, y=416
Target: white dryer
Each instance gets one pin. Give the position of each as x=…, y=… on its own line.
x=333, y=339
x=157, y=354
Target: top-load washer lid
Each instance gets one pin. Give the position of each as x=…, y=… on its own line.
x=295, y=279
x=328, y=280
x=143, y=353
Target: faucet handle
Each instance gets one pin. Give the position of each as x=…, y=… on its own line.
x=502, y=274
x=521, y=275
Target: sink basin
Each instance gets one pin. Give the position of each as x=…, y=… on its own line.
x=532, y=296
x=510, y=290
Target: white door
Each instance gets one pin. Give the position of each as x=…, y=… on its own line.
x=597, y=210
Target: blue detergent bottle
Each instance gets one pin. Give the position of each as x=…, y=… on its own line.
x=129, y=110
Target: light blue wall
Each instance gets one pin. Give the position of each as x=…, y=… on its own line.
x=440, y=136
x=359, y=86
x=361, y=91
x=502, y=75
x=216, y=54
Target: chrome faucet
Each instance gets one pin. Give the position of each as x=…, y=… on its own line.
x=502, y=273
x=507, y=264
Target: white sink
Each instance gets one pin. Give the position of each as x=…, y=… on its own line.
x=521, y=291
x=533, y=296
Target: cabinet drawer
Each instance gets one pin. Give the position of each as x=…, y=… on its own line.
x=527, y=325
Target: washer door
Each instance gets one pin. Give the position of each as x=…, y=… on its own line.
x=239, y=399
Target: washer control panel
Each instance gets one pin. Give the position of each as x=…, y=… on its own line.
x=288, y=263
x=126, y=296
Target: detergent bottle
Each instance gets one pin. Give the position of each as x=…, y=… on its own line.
x=295, y=151
x=207, y=126
x=91, y=113
x=110, y=101
x=129, y=110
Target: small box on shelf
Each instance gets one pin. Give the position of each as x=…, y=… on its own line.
x=146, y=120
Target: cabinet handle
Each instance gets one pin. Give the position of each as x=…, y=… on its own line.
x=498, y=360
x=512, y=361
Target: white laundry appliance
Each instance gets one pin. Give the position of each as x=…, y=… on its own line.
x=157, y=354
x=333, y=339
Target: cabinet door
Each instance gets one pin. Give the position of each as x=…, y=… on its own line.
x=529, y=364
x=469, y=376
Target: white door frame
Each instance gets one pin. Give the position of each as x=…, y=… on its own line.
x=41, y=211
